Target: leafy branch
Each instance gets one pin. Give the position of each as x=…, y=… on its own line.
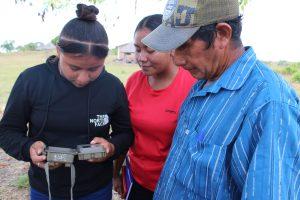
x=50, y=5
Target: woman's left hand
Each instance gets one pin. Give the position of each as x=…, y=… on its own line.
x=109, y=149
x=118, y=186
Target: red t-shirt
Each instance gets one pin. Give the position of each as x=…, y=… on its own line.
x=153, y=116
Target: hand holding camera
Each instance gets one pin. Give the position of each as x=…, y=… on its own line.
x=98, y=150
x=36, y=156
x=108, y=147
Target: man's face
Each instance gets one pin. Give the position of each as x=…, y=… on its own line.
x=201, y=62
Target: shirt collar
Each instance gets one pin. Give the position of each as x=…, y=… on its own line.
x=233, y=78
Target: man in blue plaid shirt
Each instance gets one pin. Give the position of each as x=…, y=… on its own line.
x=238, y=130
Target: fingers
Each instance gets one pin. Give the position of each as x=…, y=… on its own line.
x=37, y=158
x=118, y=186
x=123, y=195
x=98, y=140
x=40, y=164
x=54, y=165
x=109, y=147
x=51, y=165
x=117, y=189
x=96, y=160
x=35, y=151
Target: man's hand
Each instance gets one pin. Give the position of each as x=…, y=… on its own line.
x=109, y=149
x=36, y=156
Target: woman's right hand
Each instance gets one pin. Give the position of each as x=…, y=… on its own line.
x=36, y=156
x=118, y=186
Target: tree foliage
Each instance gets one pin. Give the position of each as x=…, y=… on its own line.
x=50, y=5
x=58, y=4
x=8, y=45
x=54, y=41
x=32, y=46
x=243, y=3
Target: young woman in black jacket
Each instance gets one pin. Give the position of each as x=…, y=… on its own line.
x=68, y=101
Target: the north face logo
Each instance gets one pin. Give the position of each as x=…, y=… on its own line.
x=101, y=120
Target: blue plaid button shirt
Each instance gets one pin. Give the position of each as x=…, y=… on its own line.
x=237, y=138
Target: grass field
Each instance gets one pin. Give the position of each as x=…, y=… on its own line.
x=12, y=64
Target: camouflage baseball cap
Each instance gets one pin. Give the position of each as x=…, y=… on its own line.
x=182, y=18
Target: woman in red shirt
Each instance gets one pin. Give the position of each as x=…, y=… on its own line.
x=155, y=94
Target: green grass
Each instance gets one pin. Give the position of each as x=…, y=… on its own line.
x=12, y=64
x=23, y=181
x=119, y=69
x=296, y=77
x=10, y=67
x=290, y=72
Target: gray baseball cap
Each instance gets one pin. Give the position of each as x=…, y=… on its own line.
x=182, y=18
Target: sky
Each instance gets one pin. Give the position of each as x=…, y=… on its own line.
x=271, y=27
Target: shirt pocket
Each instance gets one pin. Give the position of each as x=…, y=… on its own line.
x=202, y=168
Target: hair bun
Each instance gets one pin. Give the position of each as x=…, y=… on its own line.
x=85, y=12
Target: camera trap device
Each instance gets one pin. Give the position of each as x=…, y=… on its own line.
x=66, y=156
x=60, y=155
x=90, y=151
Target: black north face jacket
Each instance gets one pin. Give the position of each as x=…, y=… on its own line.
x=45, y=106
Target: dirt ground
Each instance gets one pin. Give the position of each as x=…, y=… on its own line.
x=10, y=170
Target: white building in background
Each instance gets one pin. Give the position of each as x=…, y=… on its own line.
x=126, y=52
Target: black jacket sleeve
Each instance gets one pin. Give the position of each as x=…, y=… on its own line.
x=122, y=134
x=13, y=125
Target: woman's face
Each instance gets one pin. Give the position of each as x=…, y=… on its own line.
x=151, y=62
x=79, y=69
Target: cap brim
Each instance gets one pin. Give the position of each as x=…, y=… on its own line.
x=165, y=38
